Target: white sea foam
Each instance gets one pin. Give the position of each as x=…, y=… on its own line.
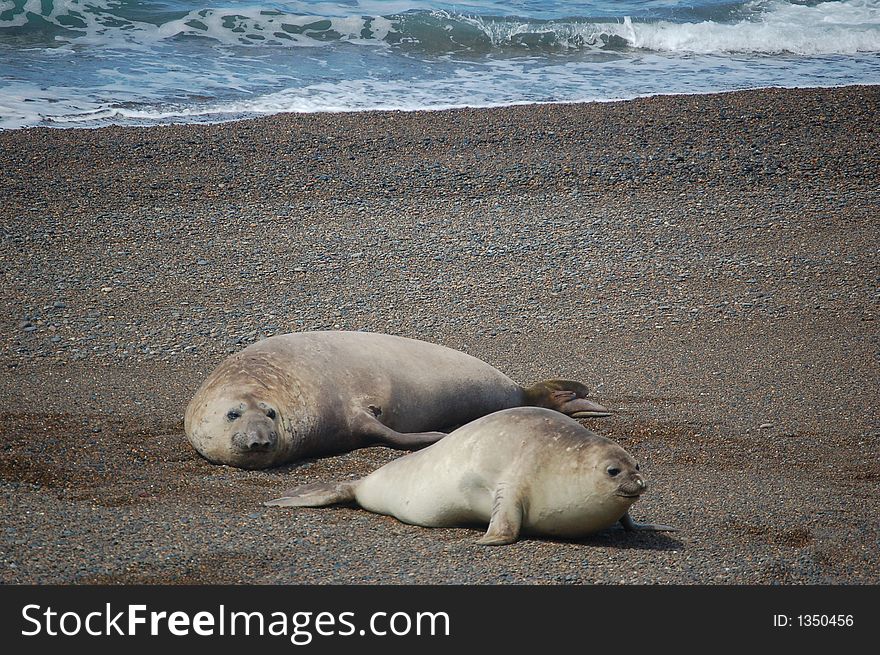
x=768, y=27
x=506, y=83
x=763, y=26
x=209, y=64
x=777, y=27
x=28, y=104
x=92, y=22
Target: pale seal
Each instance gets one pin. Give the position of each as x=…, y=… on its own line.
x=524, y=470
x=308, y=394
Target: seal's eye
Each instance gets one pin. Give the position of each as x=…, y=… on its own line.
x=232, y=415
x=270, y=413
x=613, y=472
x=637, y=467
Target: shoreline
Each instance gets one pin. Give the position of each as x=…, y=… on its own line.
x=707, y=264
x=249, y=162
x=248, y=117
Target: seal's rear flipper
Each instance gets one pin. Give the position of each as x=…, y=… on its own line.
x=317, y=494
x=566, y=396
x=630, y=525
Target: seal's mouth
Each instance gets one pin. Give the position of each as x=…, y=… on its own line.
x=632, y=488
x=251, y=461
x=260, y=454
x=254, y=453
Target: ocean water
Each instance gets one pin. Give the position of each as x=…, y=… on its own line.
x=82, y=63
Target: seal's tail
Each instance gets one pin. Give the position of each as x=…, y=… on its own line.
x=317, y=494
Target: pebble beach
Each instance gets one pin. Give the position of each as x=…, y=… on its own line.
x=706, y=264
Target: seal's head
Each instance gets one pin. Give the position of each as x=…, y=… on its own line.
x=237, y=417
x=621, y=474
x=240, y=430
x=580, y=482
x=617, y=477
x=566, y=396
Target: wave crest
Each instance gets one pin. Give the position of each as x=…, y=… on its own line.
x=761, y=26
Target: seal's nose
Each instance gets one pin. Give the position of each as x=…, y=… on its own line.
x=257, y=445
x=642, y=484
x=255, y=440
x=259, y=441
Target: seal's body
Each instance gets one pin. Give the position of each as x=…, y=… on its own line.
x=309, y=394
x=526, y=469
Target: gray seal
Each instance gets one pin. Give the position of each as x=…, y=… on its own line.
x=310, y=394
x=523, y=470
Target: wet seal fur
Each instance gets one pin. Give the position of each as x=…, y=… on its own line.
x=309, y=394
x=523, y=470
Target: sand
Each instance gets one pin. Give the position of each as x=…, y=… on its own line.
x=707, y=264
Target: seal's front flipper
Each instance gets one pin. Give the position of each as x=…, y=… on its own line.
x=410, y=440
x=367, y=425
x=629, y=525
x=317, y=494
x=506, y=521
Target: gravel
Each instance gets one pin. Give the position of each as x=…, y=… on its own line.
x=708, y=264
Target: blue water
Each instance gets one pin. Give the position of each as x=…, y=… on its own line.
x=87, y=63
